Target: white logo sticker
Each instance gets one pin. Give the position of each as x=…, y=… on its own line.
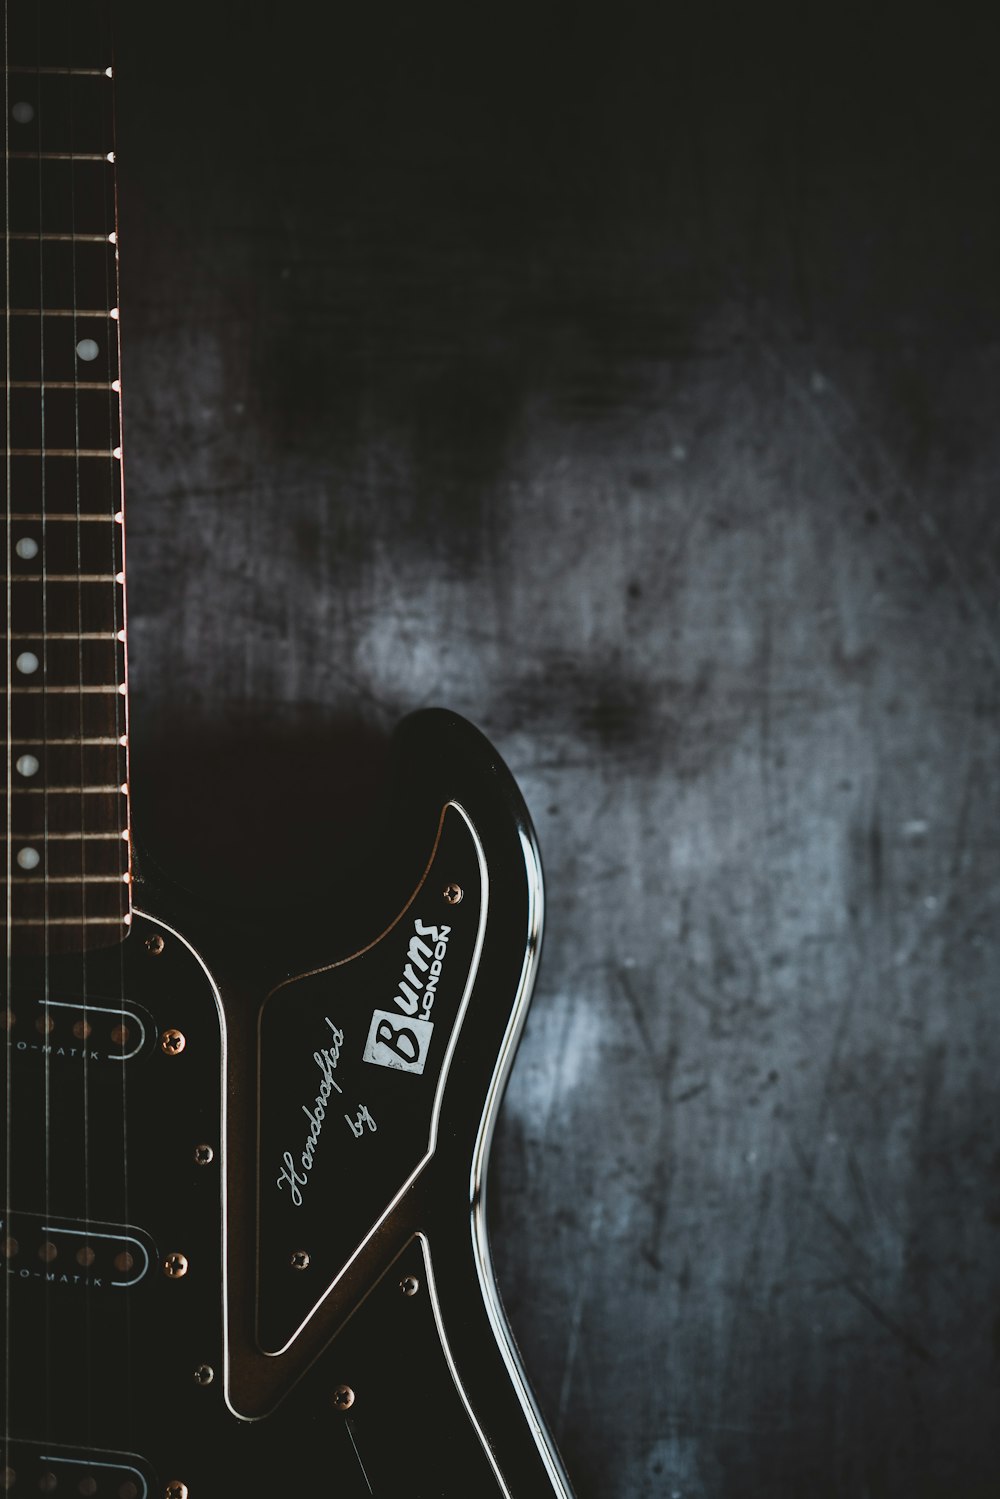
x=399, y=1041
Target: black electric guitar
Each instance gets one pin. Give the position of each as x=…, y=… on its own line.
x=243, y=1241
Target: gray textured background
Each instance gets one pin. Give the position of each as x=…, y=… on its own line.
x=625, y=379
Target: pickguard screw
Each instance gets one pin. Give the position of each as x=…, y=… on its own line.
x=453, y=893
x=175, y=1266
x=342, y=1397
x=299, y=1260
x=409, y=1285
x=172, y=1043
x=204, y=1155
x=155, y=945
x=176, y=1490
x=204, y=1374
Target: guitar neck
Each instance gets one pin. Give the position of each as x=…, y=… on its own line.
x=66, y=833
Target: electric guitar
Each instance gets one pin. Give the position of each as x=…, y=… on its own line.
x=243, y=1242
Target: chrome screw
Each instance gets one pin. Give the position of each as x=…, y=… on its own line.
x=299, y=1260
x=204, y=1374
x=204, y=1155
x=172, y=1043
x=409, y=1285
x=175, y=1266
x=343, y=1397
x=155, y=945
x=176, y=1490
x=453, y=893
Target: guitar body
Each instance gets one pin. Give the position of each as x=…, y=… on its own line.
x=242, y=1230
x=247, y=1210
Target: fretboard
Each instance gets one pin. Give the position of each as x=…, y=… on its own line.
x=66, y=832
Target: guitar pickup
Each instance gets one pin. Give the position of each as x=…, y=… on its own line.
x=70, y=1030
x=30, y=1468
x=40, y=1250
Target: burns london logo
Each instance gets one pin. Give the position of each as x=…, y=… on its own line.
x=401, y=1038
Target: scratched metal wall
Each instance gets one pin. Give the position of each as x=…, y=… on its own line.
x=627, y=380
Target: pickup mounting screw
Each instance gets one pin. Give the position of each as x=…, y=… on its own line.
x=176, y=1490
x=175, y=1266
x=453, y=893
x=409, y=1285
x=342, y=1397
x=204, y=1374
x=204, y=1155
x=172, y=1043
x=155, y=944
x=299, y=1260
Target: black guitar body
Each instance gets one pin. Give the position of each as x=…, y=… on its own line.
x=246, y=1252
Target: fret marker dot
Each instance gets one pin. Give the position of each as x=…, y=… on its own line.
x=28, y=858
x=23, y=112
x=27, y=765
x=27, y=547
x=27, y=662
x=87, y=349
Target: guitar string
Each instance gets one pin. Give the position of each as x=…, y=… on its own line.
x=121, y=701
x=44, y=736
x=8, y=995
x=82, y=813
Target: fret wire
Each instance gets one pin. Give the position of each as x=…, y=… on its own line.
x=53, y=235
x=78, y=312
x=64, y=691
x=15, y=67
x=63, y=837
x=60, y=156
x=67, y=790
x=122, y=920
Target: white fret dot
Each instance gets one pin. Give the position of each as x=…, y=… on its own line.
x=87, y=349
x=27, y=547
x=23, y=112
x=27, y=662
x=27, y=765
x=28, y=858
